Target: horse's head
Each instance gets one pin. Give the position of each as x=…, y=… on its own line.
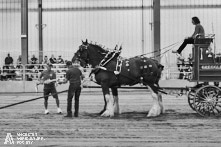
x=89, y=53
x=82, y=54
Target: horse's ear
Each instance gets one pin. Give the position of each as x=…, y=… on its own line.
x=86, y=41
x=82, y=41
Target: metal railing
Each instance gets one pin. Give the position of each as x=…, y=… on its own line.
x=30, y=72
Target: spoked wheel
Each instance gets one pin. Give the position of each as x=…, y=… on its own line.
x=207, y=101
x=191, y=96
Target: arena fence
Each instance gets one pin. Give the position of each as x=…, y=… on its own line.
x=31, y=72
x=23, y=78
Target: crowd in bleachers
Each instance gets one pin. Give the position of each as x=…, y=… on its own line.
x=184, y=66
x=13, y=69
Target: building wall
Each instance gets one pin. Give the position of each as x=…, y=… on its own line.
x=106, y=22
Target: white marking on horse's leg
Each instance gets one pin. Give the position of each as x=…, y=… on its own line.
x=116, y=105
x=156, y=108
x=161, y=103
x=110, y=106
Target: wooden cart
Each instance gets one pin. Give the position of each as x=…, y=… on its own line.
x=205, y=97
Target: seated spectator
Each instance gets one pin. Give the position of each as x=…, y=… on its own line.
x=11, y=73
x=180, y=65
x=18, y=62
x=45, y=60
x=5, y=71
x=60, y=60
x=33, y=61
x=8, y=60
x=8, y=63
x=180, y=60
x=190, y=59
x=53, y=60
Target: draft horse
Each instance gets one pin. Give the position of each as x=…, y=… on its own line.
x=129, y=71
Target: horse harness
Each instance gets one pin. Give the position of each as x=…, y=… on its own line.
x=110, y=55
x=144, y=67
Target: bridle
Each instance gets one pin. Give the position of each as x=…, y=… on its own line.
x=79, y=57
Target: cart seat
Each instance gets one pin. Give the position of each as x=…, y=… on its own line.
x=205, y=41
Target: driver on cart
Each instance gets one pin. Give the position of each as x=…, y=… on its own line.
x=199, y=30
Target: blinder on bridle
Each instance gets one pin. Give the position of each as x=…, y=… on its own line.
x=81, y=55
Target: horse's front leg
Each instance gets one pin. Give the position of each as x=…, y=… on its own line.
x=116, y=100
x=109, y=111
x=105, y=105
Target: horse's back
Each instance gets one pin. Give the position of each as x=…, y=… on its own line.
x=143, y=67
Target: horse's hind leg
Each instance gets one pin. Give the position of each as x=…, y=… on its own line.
x=157, y=107
x=116, y=100
x=161, y=102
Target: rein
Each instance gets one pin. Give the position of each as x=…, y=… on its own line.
x=174, y=44
x=10, y=105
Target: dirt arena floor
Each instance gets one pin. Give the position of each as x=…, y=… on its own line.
x=179, y=126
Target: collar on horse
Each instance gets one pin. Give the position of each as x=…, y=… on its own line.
x=109, y=57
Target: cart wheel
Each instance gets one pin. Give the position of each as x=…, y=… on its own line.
x=191, y=96
x=207, y=101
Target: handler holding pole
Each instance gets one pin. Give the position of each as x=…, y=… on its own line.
x=74, y=76
x=48, y=78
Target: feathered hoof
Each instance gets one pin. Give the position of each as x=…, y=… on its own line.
x=154, y=111
x=107, y=113
x=117, y=111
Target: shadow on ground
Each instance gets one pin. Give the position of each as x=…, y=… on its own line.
x=135, y=115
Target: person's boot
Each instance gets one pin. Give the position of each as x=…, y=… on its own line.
x=76, y=107
x=75, y=114
x=69, y=115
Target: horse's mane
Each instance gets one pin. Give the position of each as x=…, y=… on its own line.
x=100, y=49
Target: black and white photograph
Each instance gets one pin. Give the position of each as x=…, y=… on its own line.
x=110, y=73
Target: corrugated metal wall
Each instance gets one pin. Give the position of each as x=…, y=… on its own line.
x=67, y=22
x=107, y=22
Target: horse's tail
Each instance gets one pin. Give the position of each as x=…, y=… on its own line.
x=156, y=87
x=160, y=67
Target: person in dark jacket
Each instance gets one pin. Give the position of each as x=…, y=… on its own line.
x=74, y=76
x=53, y=60
x=8, y=60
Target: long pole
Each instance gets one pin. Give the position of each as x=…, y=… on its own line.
x=40, y=34
x=156, y=28
x=142, y=28
x=24, y=31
